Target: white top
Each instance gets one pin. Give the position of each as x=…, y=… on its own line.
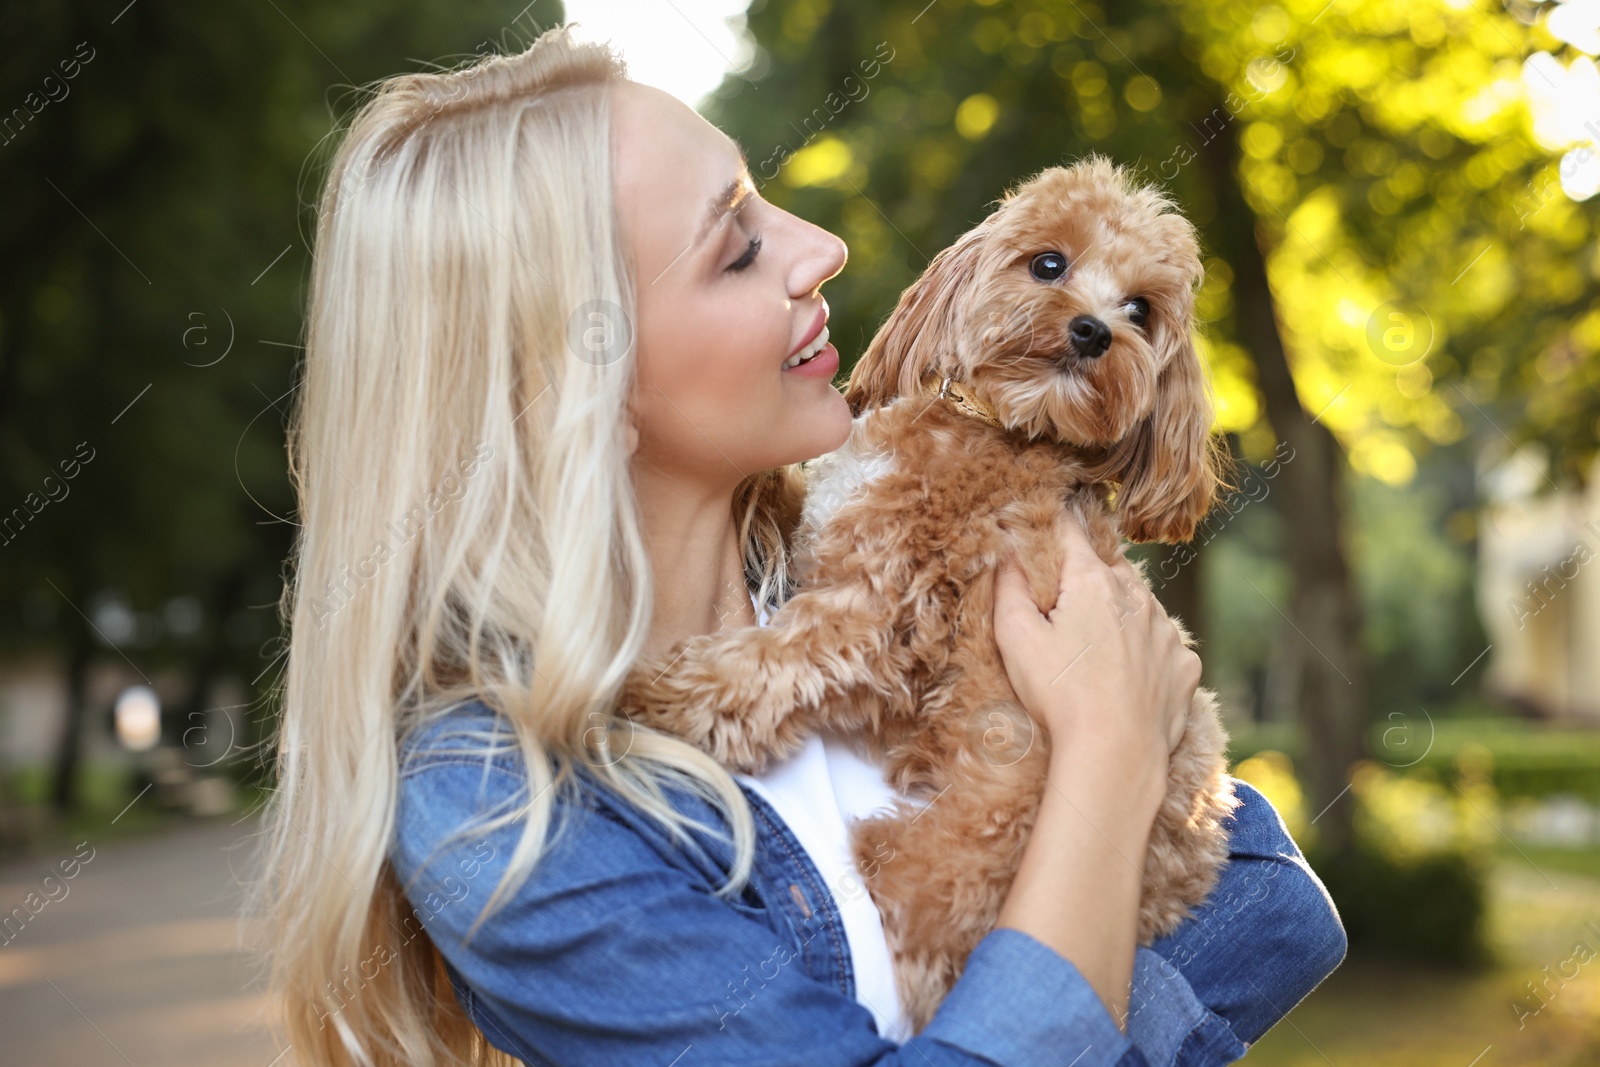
x=817, y=791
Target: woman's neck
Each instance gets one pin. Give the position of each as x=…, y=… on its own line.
x=695, y=558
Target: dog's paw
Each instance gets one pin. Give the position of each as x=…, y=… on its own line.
x=727, y=710
x=654, y=696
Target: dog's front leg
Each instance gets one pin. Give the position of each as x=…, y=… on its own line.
x=753, y=695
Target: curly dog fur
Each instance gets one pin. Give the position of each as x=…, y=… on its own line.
x=1042, y=421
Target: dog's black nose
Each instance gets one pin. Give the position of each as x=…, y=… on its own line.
x=1090, y=336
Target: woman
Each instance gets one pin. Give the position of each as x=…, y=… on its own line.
x=546, y=425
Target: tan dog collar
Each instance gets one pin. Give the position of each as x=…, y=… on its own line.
x=961, y=397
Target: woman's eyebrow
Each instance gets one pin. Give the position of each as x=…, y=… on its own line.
x=729, y=198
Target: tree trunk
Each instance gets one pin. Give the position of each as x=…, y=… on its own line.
x=1324, y=607
x=64, y=786
x=1176, y=575
x=189, y=727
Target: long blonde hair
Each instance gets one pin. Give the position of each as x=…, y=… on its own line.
x=468, y=525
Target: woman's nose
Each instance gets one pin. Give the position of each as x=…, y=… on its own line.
x=825, y=255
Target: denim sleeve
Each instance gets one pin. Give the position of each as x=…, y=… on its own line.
x=614, y=953
x=1265, y=938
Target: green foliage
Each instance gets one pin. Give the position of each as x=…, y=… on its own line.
x=1431, y=908
x=1414, y=882
x=150, y=302
x=1244, y=586
x=1521, y=759
x=1425, y=261
x=1413, y=559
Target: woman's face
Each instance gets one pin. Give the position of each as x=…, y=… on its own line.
x=727, y=292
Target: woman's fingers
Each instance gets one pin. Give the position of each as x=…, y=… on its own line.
x=1136, y=658
x=1085, y=579
x=1016, y=616
x=1135, y=600
x=1074, y=542
x=1009, y=588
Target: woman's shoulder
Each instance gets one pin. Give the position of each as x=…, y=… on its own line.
x=463, y=777
x=467, y=732
x=470, y=754
x=457, y=771
x=456, y=767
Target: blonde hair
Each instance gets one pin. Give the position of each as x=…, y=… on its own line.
x=468, y=525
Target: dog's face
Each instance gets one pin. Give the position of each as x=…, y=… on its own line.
x=1069, y=310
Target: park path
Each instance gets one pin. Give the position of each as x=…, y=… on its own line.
x=136, y=959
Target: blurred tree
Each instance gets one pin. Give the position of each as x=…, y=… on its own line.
x=1425, y=264
x=1344, y=163
x=1406, y=167
x=155, y=179
x=1327, y=665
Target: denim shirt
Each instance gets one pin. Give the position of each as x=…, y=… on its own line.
x=616, y=951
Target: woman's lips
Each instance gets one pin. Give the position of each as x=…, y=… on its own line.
x=811, y=334
x=825, y=364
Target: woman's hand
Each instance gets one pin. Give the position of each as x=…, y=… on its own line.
x=1105, y=672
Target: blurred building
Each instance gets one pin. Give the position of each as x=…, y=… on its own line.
x=1539, y=587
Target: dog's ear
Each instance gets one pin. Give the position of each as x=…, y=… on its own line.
x=1168, y=468
x=907, y=344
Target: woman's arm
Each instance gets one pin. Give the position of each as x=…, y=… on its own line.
x=1106, y=674
x=615, y=951
x=1264, y=939
x=1077, y=887
x=1268, y=933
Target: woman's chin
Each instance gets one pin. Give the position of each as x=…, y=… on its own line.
x=830, y=427
x=815, y=432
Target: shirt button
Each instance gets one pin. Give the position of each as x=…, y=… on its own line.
x=799, y=898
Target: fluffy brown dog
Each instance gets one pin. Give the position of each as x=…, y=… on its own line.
x=1040, y=371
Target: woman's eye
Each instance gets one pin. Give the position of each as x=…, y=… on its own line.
x=1048, y=266
x=749, y=256
x=1138, y=309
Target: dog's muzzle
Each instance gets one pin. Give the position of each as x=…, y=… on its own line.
x=1089, y=336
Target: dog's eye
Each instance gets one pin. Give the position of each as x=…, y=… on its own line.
x=1138, y=309
x=1048, y=266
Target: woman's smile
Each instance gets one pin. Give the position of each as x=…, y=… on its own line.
x=814, y=361
x=814, y=356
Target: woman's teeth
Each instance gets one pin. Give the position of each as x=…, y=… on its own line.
x=817, y=344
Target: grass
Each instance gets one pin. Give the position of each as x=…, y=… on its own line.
x=1376, y=1013
x=1525, y=758
x=1584, y=861
x=110, y=808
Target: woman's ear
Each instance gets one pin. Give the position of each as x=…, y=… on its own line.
x=1167, y=469
x=906, y=345
x=630, y=429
